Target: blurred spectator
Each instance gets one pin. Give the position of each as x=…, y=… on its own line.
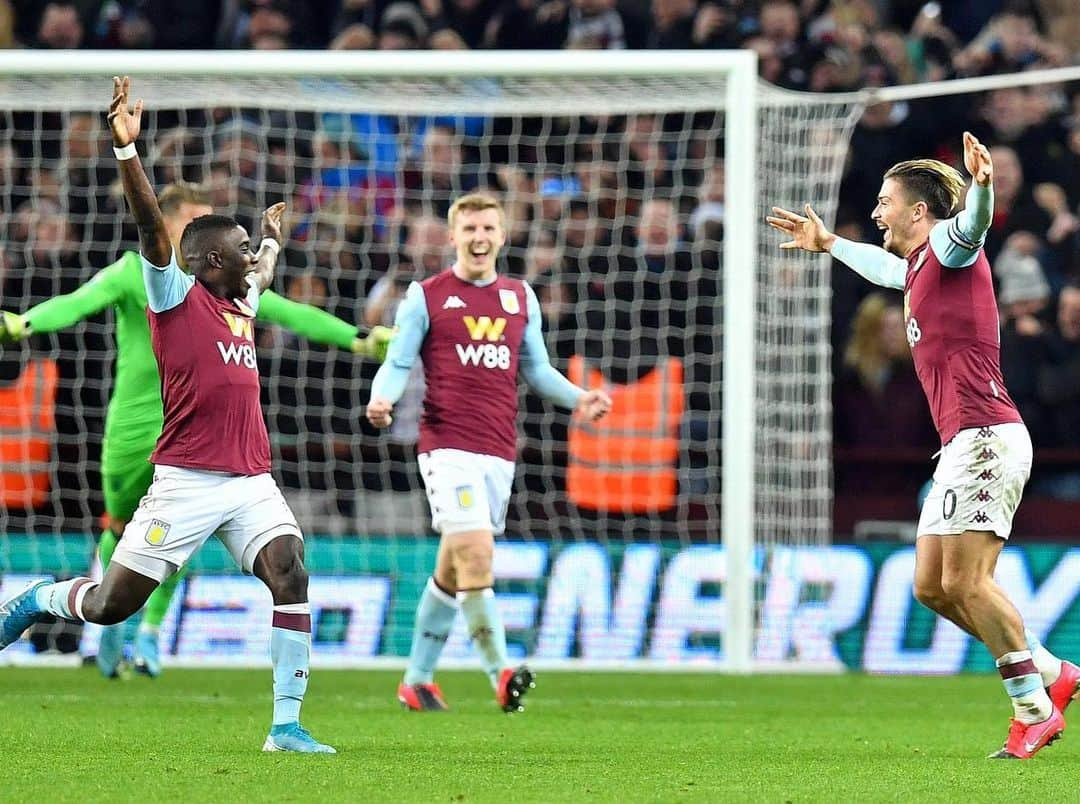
x=177, y=155
x=707, y=220
x=457, y=24
x=265, y=24
x=878, y=401
x=649, y=167
x=439, y=174
x=7, y=25
x=594, y=25
x=401, y=27
x=1010, y=42
x=1015, y=209
x=1024, y=301
x=427, y=252
x=1059, y=392
x=60, y=26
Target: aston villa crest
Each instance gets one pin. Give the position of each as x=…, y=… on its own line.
x=509, y=301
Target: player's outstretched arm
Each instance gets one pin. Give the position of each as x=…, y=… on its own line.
x=957, y=241
x=808, y=232
x=535, y=367
x=107, y=287
x=270, y=246
x=320, y=326
x=125, y=123
x=411, y=325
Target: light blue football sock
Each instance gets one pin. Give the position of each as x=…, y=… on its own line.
x=290, y=652
x=434, y=618
x=486, y=630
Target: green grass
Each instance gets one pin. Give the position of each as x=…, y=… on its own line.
x=68, y=735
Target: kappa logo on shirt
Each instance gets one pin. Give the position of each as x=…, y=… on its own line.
x=453, y=303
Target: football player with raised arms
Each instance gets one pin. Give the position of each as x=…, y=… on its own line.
x=935, y=255
x=134, y=418
x=475, y=331
x=212, y=460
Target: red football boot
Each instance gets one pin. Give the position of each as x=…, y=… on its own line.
x=421, y=697
x=1026, y=739
x=1067, y=688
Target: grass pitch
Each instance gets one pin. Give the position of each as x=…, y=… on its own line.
x=195, y=735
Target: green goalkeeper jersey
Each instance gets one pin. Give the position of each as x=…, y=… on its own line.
x=135, y=406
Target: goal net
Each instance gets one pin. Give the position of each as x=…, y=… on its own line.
x=636, y=211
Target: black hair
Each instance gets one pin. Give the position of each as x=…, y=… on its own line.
x=204, y=234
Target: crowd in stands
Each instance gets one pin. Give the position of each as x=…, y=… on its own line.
x=621, y=233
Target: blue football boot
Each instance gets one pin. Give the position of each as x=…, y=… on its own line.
x=294, y=737
x=147, y=658
x=110, y=652
x=19, y=613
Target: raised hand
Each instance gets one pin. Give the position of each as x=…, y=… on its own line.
x=807, y=232
x=977, y=160
x=594, y=404
x=124, y=121
x=271, y=222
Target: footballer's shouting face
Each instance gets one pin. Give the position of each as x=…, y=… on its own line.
x=896, y=215
x=235, y=260
x=477, y=237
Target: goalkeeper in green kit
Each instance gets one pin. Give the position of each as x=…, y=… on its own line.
x=134, y=418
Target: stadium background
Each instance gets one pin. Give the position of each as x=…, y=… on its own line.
x=618, y=222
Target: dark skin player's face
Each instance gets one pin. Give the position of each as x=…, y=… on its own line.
x=237, y=260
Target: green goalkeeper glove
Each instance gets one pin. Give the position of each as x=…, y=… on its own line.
x=376, y=343
x=13, y=327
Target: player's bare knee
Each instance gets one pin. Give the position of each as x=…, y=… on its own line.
x=280, y=565
x=472, y=562
x=446, y=580
x=930, y=594
x=958, y=587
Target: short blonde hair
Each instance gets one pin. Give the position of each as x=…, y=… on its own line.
x=175, y=195
x=475, y=202
x=935, y=183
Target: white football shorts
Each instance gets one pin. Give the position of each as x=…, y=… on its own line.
x=466, y=490
x=185, y=507
x=978, y=482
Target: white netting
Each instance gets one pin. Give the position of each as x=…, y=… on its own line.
x=615, y=187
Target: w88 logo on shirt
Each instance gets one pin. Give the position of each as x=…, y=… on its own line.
x=488, y=355
x=491, y=354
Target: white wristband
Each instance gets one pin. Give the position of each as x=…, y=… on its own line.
x=127, y=152
x=272, y=244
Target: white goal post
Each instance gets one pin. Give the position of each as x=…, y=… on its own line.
x=777, y=147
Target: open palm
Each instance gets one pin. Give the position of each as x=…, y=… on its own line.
x=124, y=121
